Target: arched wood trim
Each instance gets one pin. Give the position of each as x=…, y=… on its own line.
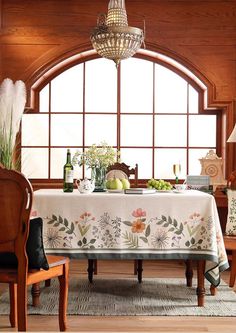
x=65, y=58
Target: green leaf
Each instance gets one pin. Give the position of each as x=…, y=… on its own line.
x=148, y=231
x=178, y=232
x=200, y=241
x=175, y=223
x=62, y=229
x=54, y=217
x=160, y=222
x=163, y=218
x=92, y=247
x=84, y=240
x=127, y=223
x=51, y=221
x=171, y=229
x=165, y=225
x=187, y=243
x=169, y=219
x=72, y=227
x=60, y=219
x=79, y=243
x=66, y=223
x=192, y=241
x=144, y=239
x=93, y=241
x=56, y=224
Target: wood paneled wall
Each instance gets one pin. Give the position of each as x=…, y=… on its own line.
x=200, y=34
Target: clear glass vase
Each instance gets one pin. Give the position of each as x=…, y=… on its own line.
x=98, y=174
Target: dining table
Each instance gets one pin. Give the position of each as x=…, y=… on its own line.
x=114, y=225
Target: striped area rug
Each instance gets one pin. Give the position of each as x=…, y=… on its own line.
x=121, y=297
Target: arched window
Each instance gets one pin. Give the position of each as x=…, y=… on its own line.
x=151, y=113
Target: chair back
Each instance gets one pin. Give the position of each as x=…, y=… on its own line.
x=16, y=195
x=126, y=170
x=231, y=182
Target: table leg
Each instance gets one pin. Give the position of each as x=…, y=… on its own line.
x=135, y=266
x=139, y=269
x=90, y=270
x=200, y=282
x=189, y=272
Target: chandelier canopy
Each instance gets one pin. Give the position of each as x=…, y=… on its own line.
x=112, y=38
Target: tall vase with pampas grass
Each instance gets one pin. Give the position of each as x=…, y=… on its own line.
x=12, y=104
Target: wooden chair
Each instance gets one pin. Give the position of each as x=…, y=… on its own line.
x=16, y=197
x=119, y=170
x=230, y=240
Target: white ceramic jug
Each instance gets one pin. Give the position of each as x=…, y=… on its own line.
x=85, y=186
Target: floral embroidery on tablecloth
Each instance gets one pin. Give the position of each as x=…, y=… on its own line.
x=139, y=232
x=231, y=219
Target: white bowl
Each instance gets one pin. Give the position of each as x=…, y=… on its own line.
x=180, y=187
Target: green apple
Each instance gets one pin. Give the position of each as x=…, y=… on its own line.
x=125, y=183
x=116, y=184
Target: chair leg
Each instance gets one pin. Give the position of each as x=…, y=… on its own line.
x=35, y=292
x=48, y=283
x=22, y=306
x=13, y=304
x=200, y=282
x=63, y=298
x=233, y=270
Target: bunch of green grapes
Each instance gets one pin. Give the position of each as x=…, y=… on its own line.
x=159, y=184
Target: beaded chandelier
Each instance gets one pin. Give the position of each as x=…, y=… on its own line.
x=112, y=38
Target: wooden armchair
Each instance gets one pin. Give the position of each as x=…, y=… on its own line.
x=119, y=170
x=15, y=206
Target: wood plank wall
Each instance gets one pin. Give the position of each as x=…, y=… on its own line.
x=201, y=34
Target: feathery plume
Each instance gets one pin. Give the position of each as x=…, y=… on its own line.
x=12, y=103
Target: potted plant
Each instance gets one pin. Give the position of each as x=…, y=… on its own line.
x=12, y=103
x=98, y=158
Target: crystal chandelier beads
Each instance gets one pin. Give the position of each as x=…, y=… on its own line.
x=112, y=38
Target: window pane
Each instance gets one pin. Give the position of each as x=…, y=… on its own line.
x=34, y=162
x=164, y=160
x=66, y=130
x=136, y=85
x=100, y=86
x=193, y=100
x=202, y=131
x=100, y=128
x=194, y=163
x=170, y=91
x=170, y=131
x=58, y=160
x=34, y=130
x=67, y=91
x=136, y=130
x=44, y=99
x=143, y=157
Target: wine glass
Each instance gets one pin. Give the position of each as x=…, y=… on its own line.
x=177, y=171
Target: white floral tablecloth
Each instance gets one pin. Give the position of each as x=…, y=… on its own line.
x=125, y=226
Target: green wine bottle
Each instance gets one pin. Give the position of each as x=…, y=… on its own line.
x=68, y=174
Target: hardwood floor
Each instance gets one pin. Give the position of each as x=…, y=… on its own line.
x=132, y=323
